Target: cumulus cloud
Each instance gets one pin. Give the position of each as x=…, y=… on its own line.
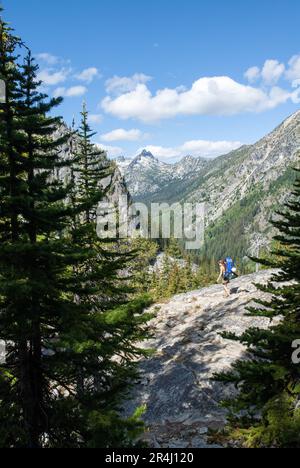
x=162, y=152
x=272, y=71
x=112, y=151
x=51, y=77
x=88, y=75
x=95, y=118
x=296, y=83
x=209, y=148
x=119, y=85
x=57, y=70
x=252, y=74
x=48, y=58
x=121, y=134
x=293, y=71
x=204, y=148
x=74, y=91
x=218, y=95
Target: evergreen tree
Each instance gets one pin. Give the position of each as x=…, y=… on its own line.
x=33, y=208
x=269, y=383
x=10, y=160
x=142, y=278
x=174, y=281
x=90, y=171
x=51, y=338
x=189, y=275
x=10, y=190
x=90, y=168
x=173, y=249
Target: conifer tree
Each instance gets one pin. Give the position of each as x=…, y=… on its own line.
x=189, y=279
x=24, y=131
x=10, y=191
x=269, y=383
x=142, y=278
x=51, y=339
x=10, y=161
x=90, y=168
x=173, y=249
x=173, y=281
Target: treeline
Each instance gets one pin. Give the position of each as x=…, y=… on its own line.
x=170, y=270
x=68, y=316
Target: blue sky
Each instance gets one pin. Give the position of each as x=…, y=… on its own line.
x=178, y=77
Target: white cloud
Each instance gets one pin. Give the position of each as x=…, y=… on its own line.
x=219, y=95
x=204, y=148
x=296, y=83
x=95, y=118
x=112, y=151
x=74, y=91
x=48, y=58
x=209, y=148
x=119, y=85
x=162, y=152
x=121, y=134
x=280, y=96
x=293, y=71
x=252, y=74
x=51, y=77
x=272, y=71
x=88, y=74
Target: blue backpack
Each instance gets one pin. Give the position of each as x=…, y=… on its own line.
x=229, y=266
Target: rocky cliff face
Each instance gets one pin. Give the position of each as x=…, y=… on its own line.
x=234, y=176
x=176, y=384
x=115, y=180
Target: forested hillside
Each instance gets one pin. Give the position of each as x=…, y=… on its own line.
x=241, y=190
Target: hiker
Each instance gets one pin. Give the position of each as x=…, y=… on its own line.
x=224, y=277
x=227, y=272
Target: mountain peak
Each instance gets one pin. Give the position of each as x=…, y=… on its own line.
x=188, y=158
x=146, y=154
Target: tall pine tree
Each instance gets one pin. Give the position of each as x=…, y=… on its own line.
x=51, y=338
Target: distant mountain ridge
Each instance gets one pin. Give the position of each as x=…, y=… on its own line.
x=145, y=175
x=242, y=189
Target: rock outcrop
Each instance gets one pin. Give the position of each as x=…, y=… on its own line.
x=162, y=258
x=115, y=180
x=176, y=386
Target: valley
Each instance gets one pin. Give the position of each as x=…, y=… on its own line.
x=242, y=189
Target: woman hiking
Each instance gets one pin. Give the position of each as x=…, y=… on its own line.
x=227, y=270
x=225, y=278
